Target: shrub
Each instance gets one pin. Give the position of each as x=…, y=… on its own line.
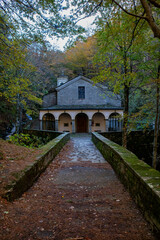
x=28, y=140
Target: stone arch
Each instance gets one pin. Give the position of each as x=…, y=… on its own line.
x=48, y=122
x=115, y=122
x=65, y=122
x=81, y=123
x=98, y=122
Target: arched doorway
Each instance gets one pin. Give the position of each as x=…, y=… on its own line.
x=98, y=122
x=81, y=123
x=65, y=123
x=48, y=122
x=115, y=123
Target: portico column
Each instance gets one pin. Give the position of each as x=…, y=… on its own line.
x=107, y=124
x=90, y=125
x=40, y=125
x=73, y=126
x=56, y=125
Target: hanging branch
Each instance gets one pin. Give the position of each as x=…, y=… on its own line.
x=129, y=13
x=149, y=16
x=155, y=3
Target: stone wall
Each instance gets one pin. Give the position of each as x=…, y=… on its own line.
x=28, y=176
x=139, y=142
x=49, y=99
x=140, y=179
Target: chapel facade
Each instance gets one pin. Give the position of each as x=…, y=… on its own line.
x=80, y=106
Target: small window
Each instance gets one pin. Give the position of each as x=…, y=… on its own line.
x=97, y=124
x=65, y=124
x=81, y=92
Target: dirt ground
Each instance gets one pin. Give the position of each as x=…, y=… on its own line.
x=78, y=197
x=13, y=159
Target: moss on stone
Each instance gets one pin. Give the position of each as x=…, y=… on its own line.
x=17, y=174
x=25, y=178
x=140, y=179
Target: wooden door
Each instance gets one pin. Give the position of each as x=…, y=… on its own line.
x=82, y=123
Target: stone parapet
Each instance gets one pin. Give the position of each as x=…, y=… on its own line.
x=28, y=176
x=142, y=181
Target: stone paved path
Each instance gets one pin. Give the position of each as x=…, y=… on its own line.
x=77, y=197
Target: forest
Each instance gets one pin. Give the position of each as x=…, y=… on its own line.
x=122, y=52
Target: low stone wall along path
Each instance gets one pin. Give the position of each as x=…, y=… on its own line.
x=78, y=197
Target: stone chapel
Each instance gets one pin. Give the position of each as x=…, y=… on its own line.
x=80, y=106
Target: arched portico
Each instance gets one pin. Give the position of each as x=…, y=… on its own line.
x=98, y=122
x=65, y=123
x=115, y=122
x=81, y=123
x=71, y=120
x=48, y=122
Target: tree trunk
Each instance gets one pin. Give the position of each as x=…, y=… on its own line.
x=20, y=118
x=126, y=104
x=17, y=114
x=125, y=117
x=150, y=18
x=156, y=127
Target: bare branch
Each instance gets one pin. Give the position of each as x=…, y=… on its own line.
x=155, y=3
x=97, y=6
x=129, y=13
x=133, y=33
x=25, y=5
x=149, y=16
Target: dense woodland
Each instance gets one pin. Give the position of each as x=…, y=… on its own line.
x=123, y=53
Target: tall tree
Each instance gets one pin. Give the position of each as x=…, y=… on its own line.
x=117, y=40
x=15, y=86
x=149, y=74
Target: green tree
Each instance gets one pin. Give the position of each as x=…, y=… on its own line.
x=15, y=87
x=147, y=10
x=22, y=22
x=40, y=18
x=149, y=73
x=117, y=40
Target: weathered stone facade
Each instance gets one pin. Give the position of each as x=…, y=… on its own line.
x=80, y=106
x=67, y=94
x=50, y=99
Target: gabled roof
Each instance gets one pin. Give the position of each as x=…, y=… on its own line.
x=77, y=79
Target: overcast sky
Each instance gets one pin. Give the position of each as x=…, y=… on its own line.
x=60, y=43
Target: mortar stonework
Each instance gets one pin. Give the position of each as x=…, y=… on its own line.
x=50, y=99
x=93, y=95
